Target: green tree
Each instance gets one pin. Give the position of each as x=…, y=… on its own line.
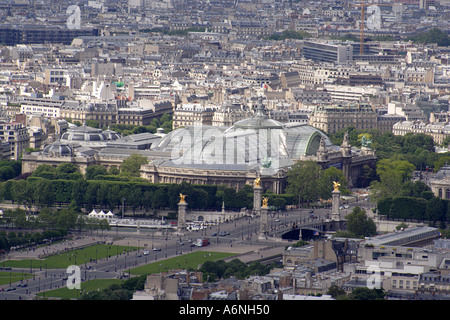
x=434, y=35
x=403, y=207
x=66, y=219
x=304, y=181
x=43, y=168
x=20, y=218
x=412, y=142
x=95, y=170
x=47, y=218
x=367, y=294
x=166, y=117
x=113, y=170
x=327, y=178
x=392, y=176
x=6, y=173
x=390, y=185
x=147, y=199
x=401, y=226
x=417, y=189
x=20, y=191
x=336, y=291
x=114, y=196
x=442, y=161
x=434, y=210
x=79, y=192
x=387, y=166
x=134, y=198
x=131, y=166
x=44, y=193
x=359, y=224
x=289, y=34
x=91, y=194
x=279, y=203
x=160, y=199
x=64, y=170
x=93, y=123
x=102, y=194
x=198, y=198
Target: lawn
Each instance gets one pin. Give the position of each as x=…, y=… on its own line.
x=186, y=261
x=91, y=285
x=6, y=277
x=73, y=257
x=191, y=260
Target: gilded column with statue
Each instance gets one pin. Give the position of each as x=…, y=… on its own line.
x=335, y=201
x=182, y=208
x=264, y=224
x=257, y=193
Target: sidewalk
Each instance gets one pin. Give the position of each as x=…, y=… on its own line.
x=260, y=253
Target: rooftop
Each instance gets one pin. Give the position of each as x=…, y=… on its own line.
x=404, y=236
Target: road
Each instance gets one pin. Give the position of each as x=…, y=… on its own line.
x=242, y=234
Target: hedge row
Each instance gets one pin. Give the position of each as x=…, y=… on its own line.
x=433, y=209
x=109, y=193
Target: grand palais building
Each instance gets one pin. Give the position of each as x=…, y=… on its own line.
x=212, y=155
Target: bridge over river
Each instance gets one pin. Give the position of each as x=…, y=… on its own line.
x=306, y=229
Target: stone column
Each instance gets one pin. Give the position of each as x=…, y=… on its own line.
x=264, y=224
x=257, y=192
x=335, y=202
x=182, y=208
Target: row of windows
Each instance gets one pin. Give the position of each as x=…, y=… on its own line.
x=57, y=79
x=56, y=73
x=447, y=193
x=404, y=284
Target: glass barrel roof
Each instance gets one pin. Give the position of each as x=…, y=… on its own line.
x=255, y=141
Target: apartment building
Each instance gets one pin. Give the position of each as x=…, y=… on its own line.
x=386, y=122
x=389, y=275
x=57, y=77
x=104, y=112
x=327, y=52
x=315, y=73
x=33, y=104
x=409, y=111
x=352, y=93
x=134, y=115
x=144, y=92
x=227, y=116
x=433, y=283
x=28, y=34
x=16, y=134
x=437, y=130
x=332, y=118
x=190, y=114
x=106, y=69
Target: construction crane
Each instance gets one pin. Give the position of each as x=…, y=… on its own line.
x=361, y=26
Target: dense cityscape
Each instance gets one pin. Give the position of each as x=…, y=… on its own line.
x=239, y=150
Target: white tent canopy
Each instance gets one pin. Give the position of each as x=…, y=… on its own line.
x=101, y=214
